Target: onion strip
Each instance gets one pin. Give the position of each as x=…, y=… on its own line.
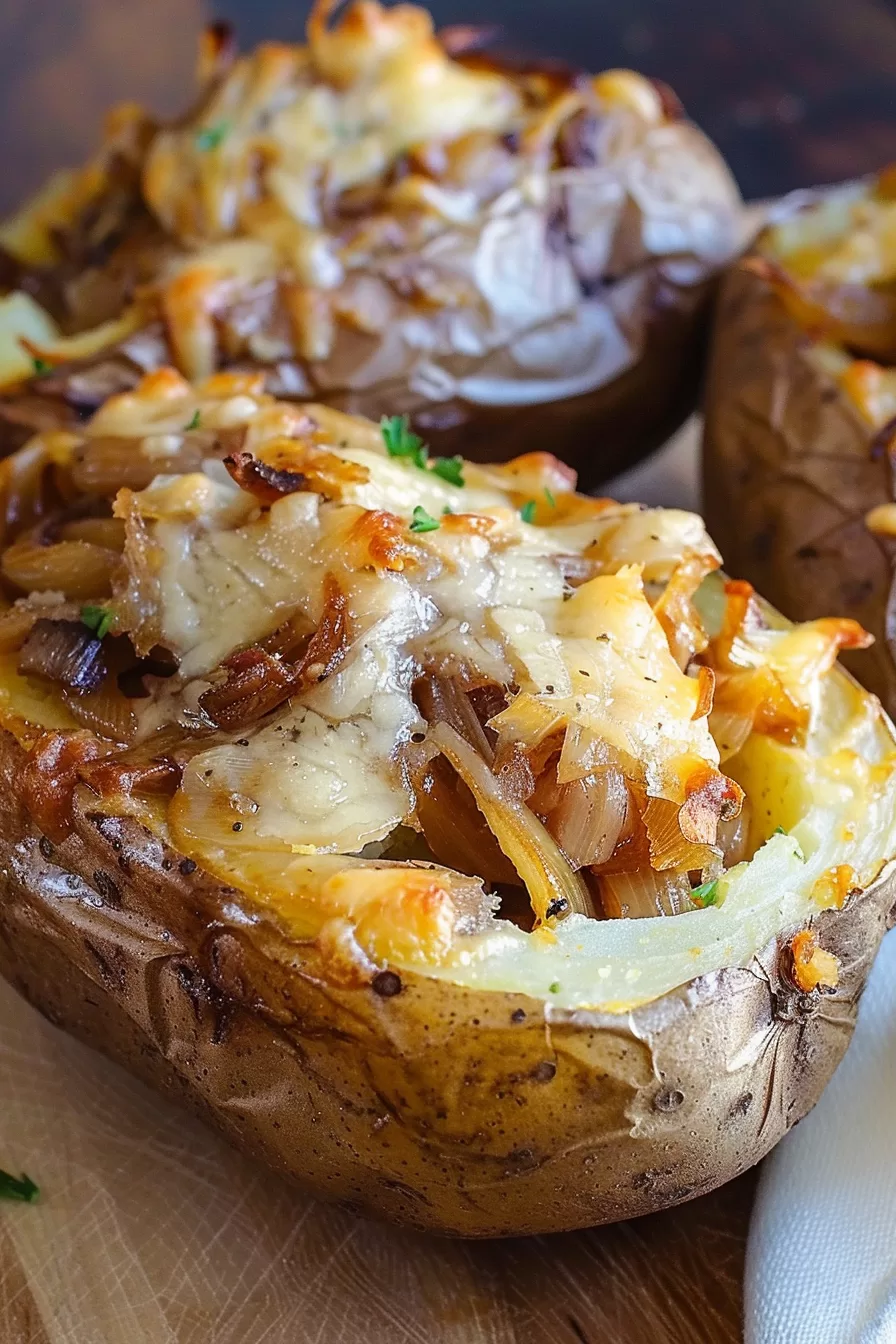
x=549, y=879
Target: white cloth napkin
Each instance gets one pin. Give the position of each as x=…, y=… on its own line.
x=821, y=1259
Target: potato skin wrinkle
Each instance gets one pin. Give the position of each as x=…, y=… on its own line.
x=502, y=1116
x=797, y=473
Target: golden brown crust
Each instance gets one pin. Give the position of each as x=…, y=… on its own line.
x=790, y=471
x=472, y=1113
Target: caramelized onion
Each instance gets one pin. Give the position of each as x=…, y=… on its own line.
x=261, y=480
x=256, y=683
x=441, y=700
x=104, y=710
x=455, y=829
x=78, y=569
x=553, y=887
x=63, y=651
x=588, y=818
x=642, y=894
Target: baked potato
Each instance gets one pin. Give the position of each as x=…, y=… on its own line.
x=461, y=846
x=385, y=221
x=801, y=415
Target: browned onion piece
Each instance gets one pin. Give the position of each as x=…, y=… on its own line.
x=104, y=710
x=645, y=893
x=78, y=569
x=455, y=829
x=63, y=651
x=554, y=889
x=108, y=464
x=670, y=848
x=105, y=532
x=588, y=819
x=256, y=683
x=441, y=700
x=111, y=776
x=261, y=480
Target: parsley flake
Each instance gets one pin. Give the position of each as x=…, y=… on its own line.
x=706, y=894
x=450, y=469
x=401, y=441
x=41, y=365
x=554, y=988
x=23, y=1190
x=423, y=521
x=98, y=619
x=194, y=421
x=549, y=496
x=779, y=830
x=527, y=512
x=210, y=137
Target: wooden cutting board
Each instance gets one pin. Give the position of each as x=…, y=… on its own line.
x=150, y=1230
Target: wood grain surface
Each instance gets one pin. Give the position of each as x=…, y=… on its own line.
x=151, y=1231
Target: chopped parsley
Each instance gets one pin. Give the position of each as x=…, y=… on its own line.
x=549, y=496
x=450, y=469
x=194, y=422
x=41, y=365
x=554, y=988
x=401, y=441
x=423, y=521
x=779, y=830
x=98, y=619
x=527, y=512
x=23, y=1190
x=706, y=894
x=210, y=137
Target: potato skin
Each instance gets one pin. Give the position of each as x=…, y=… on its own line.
x=457, y=1111
x=790, y=470
x=600, y=433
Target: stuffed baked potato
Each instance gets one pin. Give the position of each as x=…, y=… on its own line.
x=387, y=222
x=801, y=415
x=461, y=846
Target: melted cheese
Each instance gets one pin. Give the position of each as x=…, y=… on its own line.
x=288, y=808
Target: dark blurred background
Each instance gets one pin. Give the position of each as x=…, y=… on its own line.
x=794, y=92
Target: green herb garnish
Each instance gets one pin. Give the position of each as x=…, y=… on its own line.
x=549, y=496
x=401, y=441
x=194, y=422
x=210, y=137
x=41, y=365
x=450, y=469
x=24, y=1190
x=423, y=521
x=527, y=512
x=98, y=619
x=779, y=830
x=706, y=894
x=554, y=988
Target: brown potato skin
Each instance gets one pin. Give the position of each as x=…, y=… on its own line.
x=599, y=434
x=790, y=470
x=456, y=1111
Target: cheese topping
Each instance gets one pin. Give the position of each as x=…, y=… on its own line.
x=377, y=692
